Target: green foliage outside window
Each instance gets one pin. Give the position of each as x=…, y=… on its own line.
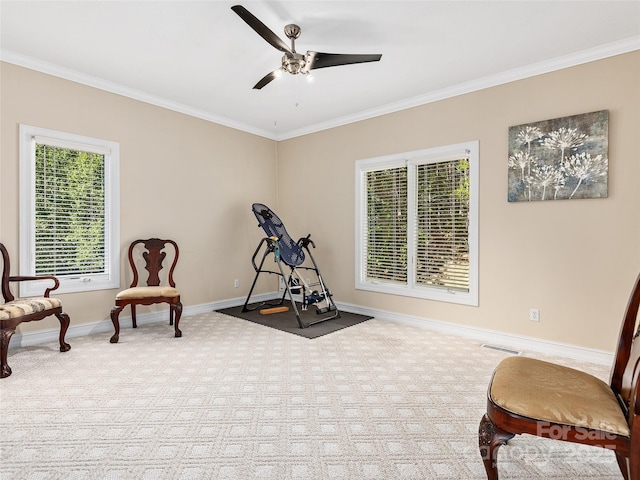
x=70, y=199
x=443, y=224
x=387, y=224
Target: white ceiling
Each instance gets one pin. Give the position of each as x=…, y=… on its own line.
x=200, y=58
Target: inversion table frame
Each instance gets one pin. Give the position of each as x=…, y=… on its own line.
x=292, y=255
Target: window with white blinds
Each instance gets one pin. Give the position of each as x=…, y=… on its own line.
x=416, y=224
x=386, y=232
x=69, y=210
x=442, y=224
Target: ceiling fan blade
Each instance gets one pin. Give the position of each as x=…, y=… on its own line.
x=269, y=77
x=261, y=29
x=322, y=60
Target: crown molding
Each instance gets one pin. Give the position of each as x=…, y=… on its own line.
x=101, y=84
x=540, y=68
x=547, y=66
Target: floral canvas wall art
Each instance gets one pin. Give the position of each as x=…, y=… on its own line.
x=559, y=159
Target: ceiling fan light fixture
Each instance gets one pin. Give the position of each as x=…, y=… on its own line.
x=293, y=63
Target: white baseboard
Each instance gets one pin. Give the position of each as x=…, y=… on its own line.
x=506, y=340
x=486, y=336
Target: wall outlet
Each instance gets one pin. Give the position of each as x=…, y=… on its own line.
x=534, y=315
x=236, y=283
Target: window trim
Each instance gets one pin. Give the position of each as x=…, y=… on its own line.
x=444, y=153
x=111, y=150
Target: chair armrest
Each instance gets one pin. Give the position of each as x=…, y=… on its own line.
x=22, y=278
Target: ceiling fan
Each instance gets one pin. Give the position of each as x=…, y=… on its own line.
x=292, y=61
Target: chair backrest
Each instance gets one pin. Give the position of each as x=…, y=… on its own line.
x=154, y=256
x=290, y=252
x=625, y=375
x=6, y=266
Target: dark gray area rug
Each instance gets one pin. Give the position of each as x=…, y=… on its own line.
x=286, y=321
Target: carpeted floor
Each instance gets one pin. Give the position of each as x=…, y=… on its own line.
x=287, y=322
x=235, y=400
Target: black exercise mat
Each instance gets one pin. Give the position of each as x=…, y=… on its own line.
x=286, y=321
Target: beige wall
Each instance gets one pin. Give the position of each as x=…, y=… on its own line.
x=194, y=181
x=574, y=260
x=180, y=178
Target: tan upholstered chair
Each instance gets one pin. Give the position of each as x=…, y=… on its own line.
x=548, y=400
x=14, y=311
x=153, y=251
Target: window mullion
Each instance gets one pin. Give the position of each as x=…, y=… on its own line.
x=412, y=219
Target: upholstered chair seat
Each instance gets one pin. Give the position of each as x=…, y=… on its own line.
x=27, y=306
x=147, y=292
x=556, y=394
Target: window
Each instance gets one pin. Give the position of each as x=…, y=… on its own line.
x=417, y=224
x=69, y=210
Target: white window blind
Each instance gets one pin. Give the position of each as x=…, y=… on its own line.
x=70, y=221
x=69, y=210
x=442, y=224
x=386, y=231
x=416, y=224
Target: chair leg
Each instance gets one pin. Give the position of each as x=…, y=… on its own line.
x=115, y=313
x=133, y=315
x=64, y=325
x=634, y=465
x=623, y=464
x=490, y=439
x=178, y=313
x=5, y=338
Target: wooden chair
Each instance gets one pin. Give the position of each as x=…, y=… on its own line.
x=14, y=311
x=153, y=254
x=552, y=401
